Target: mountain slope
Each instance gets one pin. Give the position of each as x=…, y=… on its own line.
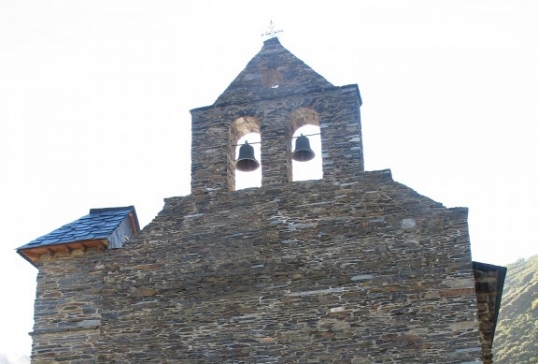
x=516, y=338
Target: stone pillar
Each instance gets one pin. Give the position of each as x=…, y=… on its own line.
x=276, y=155
x=341, y=136
x=209, y=151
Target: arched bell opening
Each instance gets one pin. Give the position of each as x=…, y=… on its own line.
x=244, y=154
x=248, y=171
x=305, y=146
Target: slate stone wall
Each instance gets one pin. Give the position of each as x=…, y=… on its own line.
x=364, y=272
x=67, y=309
x=306, y=272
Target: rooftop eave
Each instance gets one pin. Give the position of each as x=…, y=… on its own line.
x=34, y=255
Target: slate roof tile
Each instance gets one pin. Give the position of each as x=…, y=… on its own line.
x=98, y=224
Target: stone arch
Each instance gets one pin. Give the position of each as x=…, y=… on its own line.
x=238, y=128
x=303, y=116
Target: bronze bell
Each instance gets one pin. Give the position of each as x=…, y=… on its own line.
x=246, y=161
x=303, y=152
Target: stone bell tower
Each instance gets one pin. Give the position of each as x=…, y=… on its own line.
x=352, y=268
x=275, y=95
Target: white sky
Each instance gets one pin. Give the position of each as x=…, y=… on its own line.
x=95, y=99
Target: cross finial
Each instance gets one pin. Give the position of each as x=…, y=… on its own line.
x=271, y=32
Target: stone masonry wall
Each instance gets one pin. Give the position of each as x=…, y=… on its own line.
x=307, y=272
x=68, y=308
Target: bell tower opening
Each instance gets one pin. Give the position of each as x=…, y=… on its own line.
x=306, y=145
x=311, y=169
x=249, y=178
x=244, y=173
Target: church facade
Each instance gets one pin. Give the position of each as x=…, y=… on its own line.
x=352, y=268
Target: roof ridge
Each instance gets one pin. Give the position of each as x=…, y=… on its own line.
x=105, y=209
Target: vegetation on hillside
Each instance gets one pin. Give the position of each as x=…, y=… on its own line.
x=516, y=337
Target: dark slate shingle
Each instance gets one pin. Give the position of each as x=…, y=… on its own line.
x=98, y=224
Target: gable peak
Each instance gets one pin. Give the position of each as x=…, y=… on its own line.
x=273, y=72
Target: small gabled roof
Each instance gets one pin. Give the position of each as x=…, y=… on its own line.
x=99, y=225
x=273, y=72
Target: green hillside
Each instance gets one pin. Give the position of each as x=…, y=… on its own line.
x=516, y=337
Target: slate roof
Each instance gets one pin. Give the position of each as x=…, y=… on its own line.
x=98, y=224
